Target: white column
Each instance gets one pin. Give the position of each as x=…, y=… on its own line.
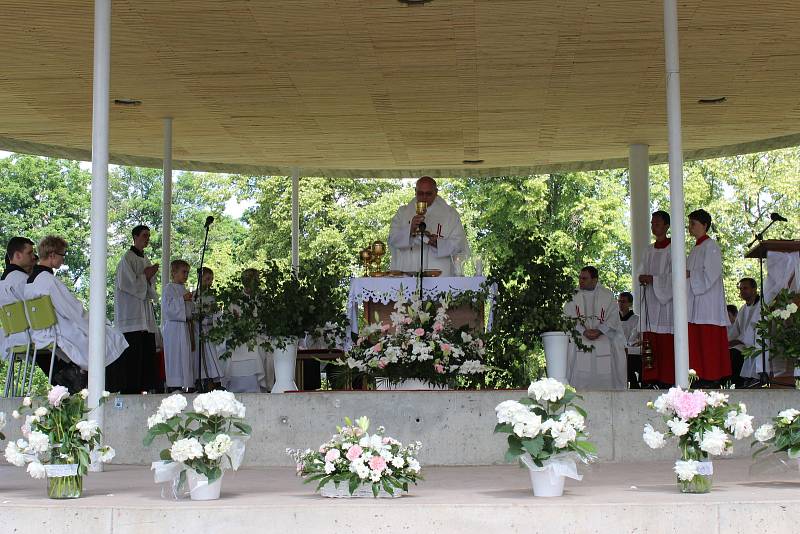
x=677, y=207
x=99, y=217
x=296, y=220
x=166, y=206
x=639, y=178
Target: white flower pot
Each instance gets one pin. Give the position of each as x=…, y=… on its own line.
x=555, y=352
x=546, y=484
x=407, y=384
x=200, y=489
x=284, y=361
x=364, y=491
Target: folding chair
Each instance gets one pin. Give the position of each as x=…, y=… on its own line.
x=14, y=321
x=42, y=316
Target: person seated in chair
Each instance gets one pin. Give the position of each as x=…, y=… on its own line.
x=72, y=329
x=19, y=261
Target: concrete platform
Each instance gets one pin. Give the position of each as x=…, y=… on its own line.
x=612, y=498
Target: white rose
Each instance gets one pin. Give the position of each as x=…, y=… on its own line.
x=713, y=441
x=765, y=433
x=14, y=455
x=653, y=438
x=739, y=423
x=686, y=470
x=788, y=415
x=87, y=429
x=679, y=427
x=36, y=470
x=38, y=441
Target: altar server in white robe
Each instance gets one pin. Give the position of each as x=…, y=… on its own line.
x=444, y=235
x=742, y=334
x=72, y=330
x=245, y=370
x=604, y=367
x=19, y=260
x=134, y=294
x=177, y=307
x=630, y=332
x=655, y=275
x=210, y=367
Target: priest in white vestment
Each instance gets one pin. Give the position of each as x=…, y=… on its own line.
x=134, y=294
x=443, y=236
x=19, y=261
x=604, y=366
x=72, y=330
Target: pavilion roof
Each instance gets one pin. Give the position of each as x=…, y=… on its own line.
x=379, y=88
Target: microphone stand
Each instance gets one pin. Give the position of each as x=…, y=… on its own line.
x=201, y=384
x=421, y=230
x=763, y=376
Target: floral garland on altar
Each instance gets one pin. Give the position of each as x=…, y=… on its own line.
x=420, y=343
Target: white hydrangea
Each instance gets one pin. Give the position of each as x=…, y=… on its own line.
x=575, y=419
x=14, y=454
x=653, y=438
x=186, y=449
x=527, y=424
x=548, y=389
x=507, y=411
x=678, y=426
x=36, y=470
x=172, y=406
x=218, y=402
x=686, y=469
x=739, y=423
x=155, y=419
x=713, y=441
x=219, y=447
x=788, y=415
x=38, y=441
x=87, y=429
x=765, y=433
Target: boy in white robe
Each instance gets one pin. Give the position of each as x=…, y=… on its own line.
x=444, y=235
x=604, y=367
x=177, y=308
x=742, y=334
x=72, y=330
x=210, y=368
x=19, y=260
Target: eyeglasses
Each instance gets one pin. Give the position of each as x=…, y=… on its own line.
x=62, y=254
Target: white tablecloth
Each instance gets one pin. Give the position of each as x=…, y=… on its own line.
x=385, y=289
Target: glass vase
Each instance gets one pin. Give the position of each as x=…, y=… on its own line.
x=701, y=482
x=63, y=482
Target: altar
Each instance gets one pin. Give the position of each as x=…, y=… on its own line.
x=379, y=294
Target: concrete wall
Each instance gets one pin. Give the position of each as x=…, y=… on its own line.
x=455, y=427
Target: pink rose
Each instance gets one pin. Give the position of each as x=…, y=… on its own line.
x=386, y=441
x=377, y=463
x=438, y=327
x=439, y=368
x=446, y=347
x=332, y=455
x=382, y=364
x=689, y=404
x=353, y=453
x=407, y=320
x=57, y=395
x=377, y=347
x=419, y=332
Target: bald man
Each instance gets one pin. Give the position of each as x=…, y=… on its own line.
x=444, y=234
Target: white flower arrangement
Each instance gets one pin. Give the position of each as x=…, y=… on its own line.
x=782, y=435
x=421, y=342
x=56, y=433
x=705, y=425
x=354, y=457
x=208, y=439
x=545, y=424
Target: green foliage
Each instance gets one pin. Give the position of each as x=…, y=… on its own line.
x=780, y=327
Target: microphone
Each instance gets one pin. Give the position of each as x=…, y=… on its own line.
x=209, y=220
x=776, y=217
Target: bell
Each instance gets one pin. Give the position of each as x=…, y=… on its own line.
x=647, y=355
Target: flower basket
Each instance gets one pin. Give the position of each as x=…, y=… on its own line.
x=355, y=463
x=63, y=481
x=546, y=434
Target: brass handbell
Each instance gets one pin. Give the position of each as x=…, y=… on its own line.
x=647, y=354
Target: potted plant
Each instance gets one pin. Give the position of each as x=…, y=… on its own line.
x=355, y=463
x=58, y=441
x=533, y=282
x=705, y=425
x=546, y=433
x=420, y=345
x=203, y=442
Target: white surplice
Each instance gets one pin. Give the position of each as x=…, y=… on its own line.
x=630, y=332
x=134, y=295
x=744, y=329
x=440, y=220
x=706, y=296
x=72, y=330
x=605, y=367
x=657, y=262
x=178, y=355
x=12, y=289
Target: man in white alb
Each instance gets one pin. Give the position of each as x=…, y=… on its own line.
x=743, y=334
x=604, y=366
x=443, y=237
x=630, y=331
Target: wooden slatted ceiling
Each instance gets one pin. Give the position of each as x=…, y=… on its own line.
x=374, y=87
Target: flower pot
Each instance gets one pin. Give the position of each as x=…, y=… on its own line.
x=546, y=483
x=555, y=353
x=363, y=491
x=63, y=481
x=407, y=384
x=284, y=361
x=700, y=483
x=200, y=489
